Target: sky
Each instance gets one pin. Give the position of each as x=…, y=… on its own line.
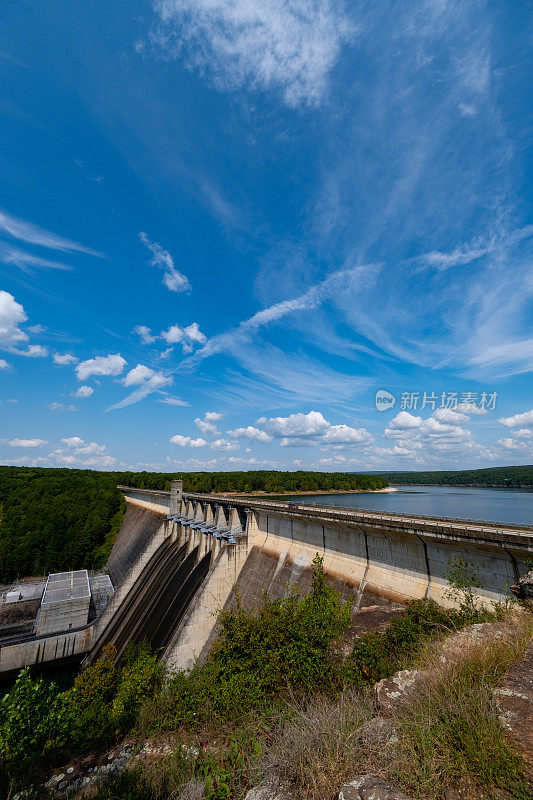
x=281, y=235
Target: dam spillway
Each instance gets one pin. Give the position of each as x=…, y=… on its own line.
x=179, y=559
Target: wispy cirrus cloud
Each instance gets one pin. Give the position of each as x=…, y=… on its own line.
x=147, y=381
x=27, y=262
x=286, y=45
x=340, y=280
x=32, y=234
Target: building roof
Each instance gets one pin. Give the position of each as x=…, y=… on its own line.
x=63, y=586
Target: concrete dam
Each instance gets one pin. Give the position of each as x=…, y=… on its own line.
x=180, y=558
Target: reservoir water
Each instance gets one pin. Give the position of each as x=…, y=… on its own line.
x=493, y=505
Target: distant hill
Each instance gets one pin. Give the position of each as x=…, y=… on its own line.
x=512, y=477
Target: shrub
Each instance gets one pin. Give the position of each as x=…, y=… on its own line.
x=139, y=677
x=33, y=727
x=261, y=656
x=89, y=702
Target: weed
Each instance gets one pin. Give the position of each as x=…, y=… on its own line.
x=463, y=579
x=451, y=730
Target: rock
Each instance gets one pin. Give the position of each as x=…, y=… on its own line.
x=367, y=787
x=523, y=588
x=514, y=697
x=392, y=692
x=69, y=770
x=62, y=785
x=265, y=791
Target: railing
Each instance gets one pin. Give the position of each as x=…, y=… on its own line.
x=350, y=514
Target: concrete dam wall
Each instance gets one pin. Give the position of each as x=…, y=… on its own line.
x=366, y=555
x=179, y=559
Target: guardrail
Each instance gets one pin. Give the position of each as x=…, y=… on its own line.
x=347, y=514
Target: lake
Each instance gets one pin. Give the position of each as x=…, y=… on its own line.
x=494, y=505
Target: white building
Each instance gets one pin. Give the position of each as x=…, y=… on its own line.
x=65, y=603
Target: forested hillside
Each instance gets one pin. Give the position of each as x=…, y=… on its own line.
x=58, y=519
x=513, y=477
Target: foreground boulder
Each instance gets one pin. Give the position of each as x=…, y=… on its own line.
x=523, y=588
x=393, y=692
x=367, y=787
x=266, y=790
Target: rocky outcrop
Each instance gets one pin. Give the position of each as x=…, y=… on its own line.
x=523, y=588
x=368, y=787
x=266, y=790
x=514, y=696
x=393, y=692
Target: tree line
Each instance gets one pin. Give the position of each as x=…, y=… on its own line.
x=501, y=477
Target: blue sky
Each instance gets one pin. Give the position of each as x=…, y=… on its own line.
x=224, y=227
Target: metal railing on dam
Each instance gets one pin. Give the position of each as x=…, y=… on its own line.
x=495, y=531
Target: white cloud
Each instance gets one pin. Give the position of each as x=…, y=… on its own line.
x=290, y=45
x=84, y=391
x=213, y=416
x=192, y=333
x=31, y=234
x=305, y=430
x=12, y=315
x=469, y=408
x=343, y=434
x=224, y=444
x=405, y=421
x=4, y=364
x=101, y=365
x=297, y=425
x=33, y=351
x=145, y=334
x=189, y=337
x=73, y=441
x=85, y=454
x=173, y=335
x=524, y=420
x=207, y=425
x=55, y=406
x=251, y=433
x=436, y=436
x=173, y=279
x=64, y=359
x=138, y=375
x=186, y=441
x=512, y=444
x=449, y=416
x=27, y=443
x=90, y=449
x=147, y=380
